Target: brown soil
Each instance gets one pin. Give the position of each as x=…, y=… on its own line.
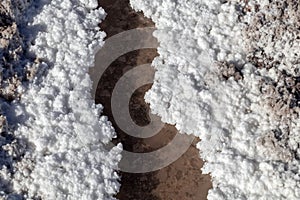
x=182, y=179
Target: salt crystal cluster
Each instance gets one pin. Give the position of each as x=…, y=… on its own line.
x=55, y=144
x=272, y=41
x=16, y=67
x=228, y=73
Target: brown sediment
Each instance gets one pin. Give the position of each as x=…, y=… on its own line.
x=183, y=178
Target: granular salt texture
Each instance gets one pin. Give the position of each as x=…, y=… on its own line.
x=273, y=46
x=11, y=48
x=13, y=73
x=273, y=35
x=206, y=84
x=60, y=132
x=17, y=66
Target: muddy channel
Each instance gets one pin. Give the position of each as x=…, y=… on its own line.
x=181, y=180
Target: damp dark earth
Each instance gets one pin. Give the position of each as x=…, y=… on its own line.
x=183, y=178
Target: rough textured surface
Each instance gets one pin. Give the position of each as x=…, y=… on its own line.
x=16, y=66
x=13, y=66
x=272, y=38
x=210, y=82
x=183, y=178
x=273, y=35
x=54, y=147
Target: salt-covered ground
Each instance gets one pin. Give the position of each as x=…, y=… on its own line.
x=228, y=72
x=51, y=145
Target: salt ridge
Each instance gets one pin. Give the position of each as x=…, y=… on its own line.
x=62, y=129
x=228, y=115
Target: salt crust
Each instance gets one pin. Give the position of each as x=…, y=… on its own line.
x=229, y=115
x=60, y=132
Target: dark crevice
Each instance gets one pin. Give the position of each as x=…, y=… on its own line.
x=180, y=180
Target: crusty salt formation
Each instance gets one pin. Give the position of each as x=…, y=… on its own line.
x=11, y=76
x=228, y=70
x=272, y=43
x=220, y=75
x=282, y=96
x=16, y=67
x=273, y=34
x=54, y=146
x=11, y=48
